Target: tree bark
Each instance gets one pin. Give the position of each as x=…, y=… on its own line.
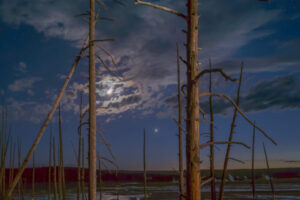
x=79, y=152
x=212, y=154
x=54, y=170
x=193, y=190
x=82, y=172
x=252, y=165
x=180, y=143
x=100, y=179
x=92, y=106
x=50, y=165
x=60, y=190
x=145, y=172
x=33, y=177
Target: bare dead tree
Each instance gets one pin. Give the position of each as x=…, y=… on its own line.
x=180, y=143
x=50, y=164
x=82, y=171
x=100, y=178
x=224, y=174
x=212, y=154
x=54, y=171
x=92, y=106
x=252, y=165
x=269, y=173
x=5, y=140
x=19, y=164
x=45, y=123
x=144, y=161
x=193, y=190
x=61, y=184
x=79, y=151
x=33, y=178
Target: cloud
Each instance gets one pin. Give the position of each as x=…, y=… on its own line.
x=31, y=111
x=53, y=18
x=24, y=84
x=21, y=69
x=280, y=92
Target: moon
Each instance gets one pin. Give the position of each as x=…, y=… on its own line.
x=109, y=91
x=156, y=130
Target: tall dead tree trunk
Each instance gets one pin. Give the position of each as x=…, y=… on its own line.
x=224, y=174
x=79, y=152
x=61, y=158
x=180, y=143
x=82, y=172
x=252, y=165
x=19, y=164
x=269, y=174
x=193, y=189
x=54, y=171
x=212, y=154
x=100, y=179
x=92, y=107
x=145, y=170
x=33, y=178
x=50, y=165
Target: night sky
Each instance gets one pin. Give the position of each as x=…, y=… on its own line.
x=40, y=39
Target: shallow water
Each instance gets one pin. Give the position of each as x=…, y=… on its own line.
x=134, y=191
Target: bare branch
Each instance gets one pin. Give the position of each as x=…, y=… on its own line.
x=237, y=160
x=161, y=8
x=107, y=68
x=223, y=142
x=183, y=130
x=221, y=71
x=104, y=18
x=111, y=57
x=119, y=2
x=108, y=160
x=106, y=144
x=204, y=182
x=241, y=113
x=184, y=61
x=105, y=40
x=101, y=3
x=182, y=89
x=86, y=13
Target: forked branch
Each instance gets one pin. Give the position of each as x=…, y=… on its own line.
x=161, y=8
x=221, y=71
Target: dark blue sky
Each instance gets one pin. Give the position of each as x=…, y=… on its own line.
x=39, y=41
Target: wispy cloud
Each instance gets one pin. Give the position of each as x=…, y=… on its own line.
x=21, y=69
x=24, y=84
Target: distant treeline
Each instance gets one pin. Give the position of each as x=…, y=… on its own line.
x=153, y=176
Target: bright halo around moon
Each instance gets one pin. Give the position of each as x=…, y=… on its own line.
x=109, y=91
